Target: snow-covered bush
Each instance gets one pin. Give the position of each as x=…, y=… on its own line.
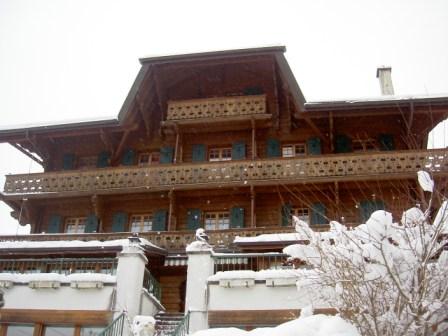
x=386, y=278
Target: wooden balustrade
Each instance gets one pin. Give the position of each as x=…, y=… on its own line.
x=216, y=107
x=231, y=173
x=172, y=240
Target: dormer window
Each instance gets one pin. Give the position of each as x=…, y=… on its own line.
x=293, y=150
x=75, y=224
x=220, y=154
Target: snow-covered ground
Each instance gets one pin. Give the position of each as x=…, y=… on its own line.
x=314, y=325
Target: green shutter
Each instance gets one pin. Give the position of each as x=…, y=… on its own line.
x=286, y=214
x=237, y=217
x=318, y=214
x=103, y=160
x=199, y=153
x=343, y=144
x=119, y=222
x=313, y=146
x=166, y=154
x=238, y=150
x=273, y=148
x=54, y=224
x=367, y=207
x=128, y=157
x=68, y=161
x=159, y=220
x=386, y=142
x=193, y=219
x=91, y=224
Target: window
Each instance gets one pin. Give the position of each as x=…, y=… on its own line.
x=75, y=224
x=19, y=330
x=145, y=159
x=59, y=331
x=220, y=154
x=301, y=213
x=216, y=220
x=292, y=150
x=141, y=223
x=87, y=162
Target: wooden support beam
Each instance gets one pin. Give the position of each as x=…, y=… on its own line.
x=252, y=207
x=410, y=118
x=330, y=116
x=107, y=141
x=27, y=153
x=254, y=139
x=176, y=147
x=121, y=144
x=313, y=126
x=143, y=115
x=171, y=217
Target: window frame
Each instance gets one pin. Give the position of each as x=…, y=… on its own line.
x=141, y=222
x=220, y=151
x=215, y=216
x=78, y=221
x=295, y=212
x=294, y=147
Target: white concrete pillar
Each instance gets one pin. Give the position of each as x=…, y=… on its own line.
x=200, y=267
x=130, y=272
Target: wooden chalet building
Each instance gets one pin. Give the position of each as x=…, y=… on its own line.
x=220, y=140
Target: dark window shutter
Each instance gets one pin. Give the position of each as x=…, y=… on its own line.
x=91, y=224
x=313, y=146
x=68, y=161
x=54, y=224
x=273, y=148
x=386, y=142
x=286, y=214
x=237, y=217
x=199, y=153
x=238, y=150
x=128, y=157
x=159, y=220
x=193, y=219
x=103, y=160
x=166, y=154
x=367, y=207
x=318, y=214
x=119, y=222
x=343, y=144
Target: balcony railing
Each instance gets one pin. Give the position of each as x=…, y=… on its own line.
x=249, y=261
x=173, y=240
x=59, y=265
x=216, y=107
x=232, y=173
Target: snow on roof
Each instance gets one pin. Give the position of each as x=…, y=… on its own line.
x=275, y=238
x=75, y=277
x=69, y=244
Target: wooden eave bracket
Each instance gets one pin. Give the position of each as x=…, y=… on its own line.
x=27, y=153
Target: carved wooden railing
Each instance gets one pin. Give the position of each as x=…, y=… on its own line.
x=173, y=240
x=231, y=173
x=216, y=107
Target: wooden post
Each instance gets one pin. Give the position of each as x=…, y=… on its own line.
x=176, y=148
x=337, y=201
x=38, y=329
x=171, y=223
x=254, y=140
x=181, y=148
x=331, y=132
x=252, y=207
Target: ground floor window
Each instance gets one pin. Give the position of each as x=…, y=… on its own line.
x=141, y=222
x=75, y=224
x=216, y=220
x=301, y=213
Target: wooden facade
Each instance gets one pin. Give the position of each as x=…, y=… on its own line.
x=224, y=141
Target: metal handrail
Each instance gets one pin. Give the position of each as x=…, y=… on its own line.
x=115, y=328
x=152, y=285
x=183, y=326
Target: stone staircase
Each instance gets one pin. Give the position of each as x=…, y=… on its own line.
x=166, y=323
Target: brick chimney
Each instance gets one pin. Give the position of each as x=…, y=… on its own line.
x=384, y=75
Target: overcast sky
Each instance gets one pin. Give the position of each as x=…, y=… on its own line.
x=62, y=60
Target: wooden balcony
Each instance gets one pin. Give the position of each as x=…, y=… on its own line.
x=216, y=107
x=172, y=240
x=343, y=167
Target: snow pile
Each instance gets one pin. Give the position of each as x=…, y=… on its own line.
x=393, y=274
x=56, y=277
x=277, y=237
x=143, y=325
x=314, y=325
x=260, y=275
